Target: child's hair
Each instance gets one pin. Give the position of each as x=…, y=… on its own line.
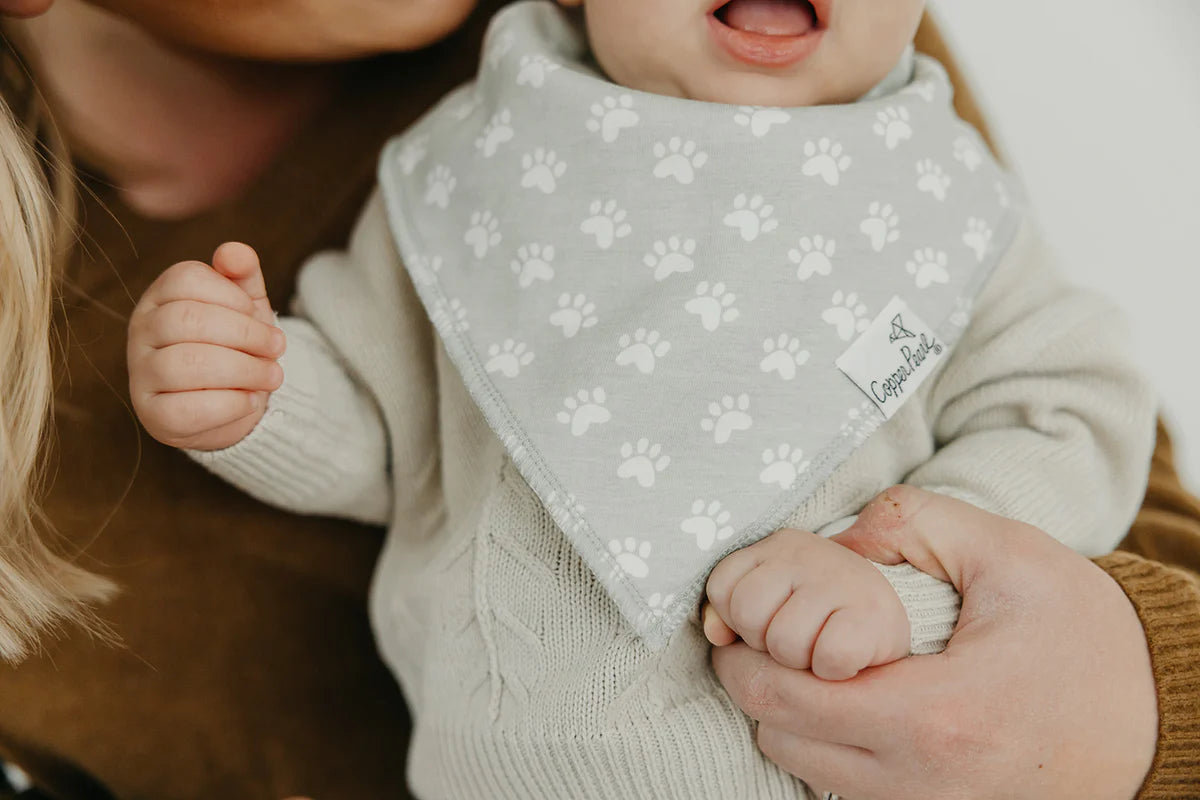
x=39, y=590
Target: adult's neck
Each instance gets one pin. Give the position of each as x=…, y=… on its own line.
x=176, y=132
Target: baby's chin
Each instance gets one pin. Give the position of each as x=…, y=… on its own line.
x=751, y=89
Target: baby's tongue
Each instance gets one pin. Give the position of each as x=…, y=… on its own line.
x=769, y=17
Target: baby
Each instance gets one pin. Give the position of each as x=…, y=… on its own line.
x=623, y=308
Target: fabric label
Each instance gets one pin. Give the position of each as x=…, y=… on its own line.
x=891, y=360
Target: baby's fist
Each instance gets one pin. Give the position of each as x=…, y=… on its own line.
x=203, y=350
x=808, y=602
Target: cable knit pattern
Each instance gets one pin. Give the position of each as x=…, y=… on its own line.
x=523, y=679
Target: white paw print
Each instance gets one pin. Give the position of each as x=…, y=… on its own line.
x=468, y=106
x=606, y=222
x=760, y=119
x=966, y=152
x=881, y=225
x=426, y=267
x=783, y=466
x=978, y=237
x=453, y=314
x=671, y=257
x=642, y=349
x=709, y=523
x=412, y=154
x=534, y=262
x=963, y=306
x=751, y=216
x=847, y=315
x=894, y=125
x=861, y=422
x=584, y=410
x=678, y=159
x=713, y=304
x=573, y=314
x=727, y=416
x=642, y=462
x=657, y=606
x=542, y=170
x=783, y=356
x=534, y=70
x=439, y=185
x=826, y=159
x=496, y=132
x=813, y=256
x=630, y=556
x=922, y=88
x=612, y=115
x=931, y=178
x=567, y=511
x=508, y=358
x=928, y=267
x=483, y=233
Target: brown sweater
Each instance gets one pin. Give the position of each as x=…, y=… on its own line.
x=248, y=668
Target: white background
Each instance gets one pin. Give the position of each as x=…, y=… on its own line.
x=1097, y=104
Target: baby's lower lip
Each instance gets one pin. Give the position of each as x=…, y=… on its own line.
x=764, y=50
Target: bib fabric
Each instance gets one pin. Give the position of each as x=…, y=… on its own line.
x=648, y=297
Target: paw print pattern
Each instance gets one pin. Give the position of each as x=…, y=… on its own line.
x=978, y=237
x=612, y=115
x=501, y=44
x=727, y=416
x=783, y=466
x=483, y=233
x=932, y=179
x=783, y=356
x=674, y=256
x=678, y=159
x=452, y=314
x=606, y=222
x=642, y=349
x=709, y=523
x=963, y=306
x=928, y=267
x=861, y=422
x=573, y=314
x=826, y=159
x=882, y=225
x=713, y=304
x=894, y=125
x=583, y=410
x=751, y=216
x=643, y=462
x=542, y=170
x=508, y=358
x=813, y=256
x=657, y=606
x=439, y=185
x=846, y=315
x=760, y=119
x=534, y=262
x=967, y=153
x=496, y=132
x=412, y=154
x=630, y=556
x=534, y=70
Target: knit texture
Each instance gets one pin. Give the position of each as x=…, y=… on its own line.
x=523, y=679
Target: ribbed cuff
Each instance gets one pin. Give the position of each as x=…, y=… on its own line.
x=1167, y=601
x=932, y=607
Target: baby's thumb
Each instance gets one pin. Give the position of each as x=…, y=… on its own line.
x=941, y=536
x=239, y=263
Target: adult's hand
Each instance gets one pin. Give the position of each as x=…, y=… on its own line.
x=1045, y=690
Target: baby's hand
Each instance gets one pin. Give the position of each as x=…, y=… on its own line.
x=202, y=351
x=810, y=603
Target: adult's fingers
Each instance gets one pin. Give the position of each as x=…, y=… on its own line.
x=825, y=766
x=189, y=366
x=939, y=535
x=195, y=280
x=204, y=323
x=858, y=712
x=239, y=263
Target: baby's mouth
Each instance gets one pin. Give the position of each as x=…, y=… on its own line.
x=769, y=17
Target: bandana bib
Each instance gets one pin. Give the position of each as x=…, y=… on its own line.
x=681, y=317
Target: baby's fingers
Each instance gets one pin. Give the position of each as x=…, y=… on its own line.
x=194, y=280
x=179, y=418
x=190, y=366
x=184, y=321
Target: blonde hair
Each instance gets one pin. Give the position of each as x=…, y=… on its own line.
x=39, y=589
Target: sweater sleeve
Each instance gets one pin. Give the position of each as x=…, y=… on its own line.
x=1039, y=415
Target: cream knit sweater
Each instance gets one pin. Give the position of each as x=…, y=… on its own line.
x=522, y=678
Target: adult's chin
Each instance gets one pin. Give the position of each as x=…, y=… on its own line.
x=294, y=30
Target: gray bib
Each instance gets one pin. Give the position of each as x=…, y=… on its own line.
x=681, y=317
